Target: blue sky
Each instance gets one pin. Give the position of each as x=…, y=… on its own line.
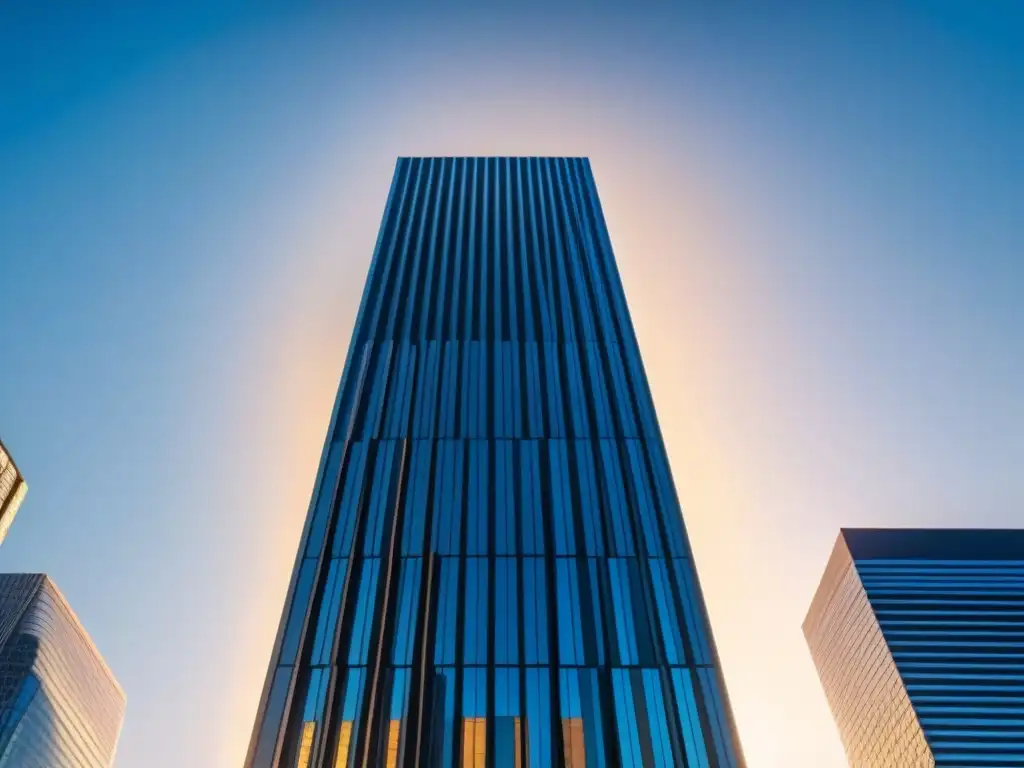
x=817, y=213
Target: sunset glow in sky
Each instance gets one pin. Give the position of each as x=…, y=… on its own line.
x=817, y=217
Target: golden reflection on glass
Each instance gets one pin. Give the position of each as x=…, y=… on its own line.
x=344, y=744
x=394, y=736
x=306, y=744
x=474, y=742
x=572, y=738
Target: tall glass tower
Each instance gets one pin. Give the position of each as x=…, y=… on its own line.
x=60, y=706
x=494, y=569
x=918, y=637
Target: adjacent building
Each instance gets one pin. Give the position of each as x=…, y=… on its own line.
x=918, y=637
x=494, y=569
x=12, y=491
x=60, y=706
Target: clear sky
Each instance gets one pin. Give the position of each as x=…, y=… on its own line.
x=819, y=217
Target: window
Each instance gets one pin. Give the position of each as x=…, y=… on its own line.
x=400, y=393
x=620, y=532
x=561, y=498
x=539, y=740
x=590, y=501
x=535, y=611
x=407, y=611
x=508, y=737
x=414, y=525
x=479, y=508
x=324, y=502
x=351, y=717
x=476, y=621
x=531, y=510
x=366, y=605
x=447, y=532
x=297, y=611
x=583, y=725
x=689, y=720
x=447, y=610
x=382, y=497
x=330, y=608
x=642, y=499
x=505, y=521
x=349, y=510
x=474, y=718
x=668, y=620
x=506, y=611
x=426, y=389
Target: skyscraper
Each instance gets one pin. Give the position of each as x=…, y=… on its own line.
x=60, y=706
x=494, y=569
x=12, y=491
x=918, y=637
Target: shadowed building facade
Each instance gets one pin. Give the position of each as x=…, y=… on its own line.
x=60, y=706
x=12, y=491
x=918, y=638
x=494, y=569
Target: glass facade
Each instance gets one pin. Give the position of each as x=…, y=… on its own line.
x=918, y=637
x=60, y=706
x=12, y=491
x=494, y=569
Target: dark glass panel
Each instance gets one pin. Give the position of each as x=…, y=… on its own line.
x=447, y=611
x=330, y=609
x=366, y=605
x=570, y=629
x=508, y=738
x=348, y=511
x=531, y=506
x=668, y=619
x=426, y=389
x=407, y=611
x=383, y=492
x=440, y=718
x=447, y=528
x=272, y=718
x=416, y=497
x=620, y=531
x=505, y=519
x=478, y=509
x=325, y=501
x=561, y=498
x=475, y=619
x=297, y=613
x=642, y=500
x=506, y=611
x=689, y=720
x=590, y=501
x=535, y=611
x=350, y=720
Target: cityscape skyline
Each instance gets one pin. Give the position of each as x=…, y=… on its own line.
x=818, y=216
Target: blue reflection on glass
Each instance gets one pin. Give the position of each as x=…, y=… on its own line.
x=539, y=741
x=475, y=622
x=408, y=603
x=535, y=611
x=447, y=611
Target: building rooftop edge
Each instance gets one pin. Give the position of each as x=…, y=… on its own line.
x=935, y=543
x=493, y=157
